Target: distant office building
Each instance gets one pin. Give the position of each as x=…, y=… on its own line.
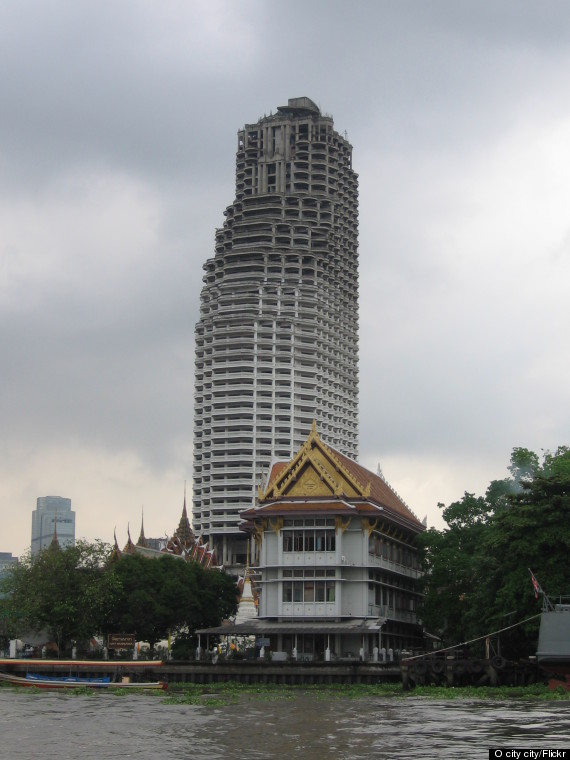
x=7, y=561
x=52, y=516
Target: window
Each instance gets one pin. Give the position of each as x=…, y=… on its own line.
x=309, y=540
x=307, y=589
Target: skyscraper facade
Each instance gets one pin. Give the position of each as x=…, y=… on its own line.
x=7, y=562
x=52, y=516
x=277, y=339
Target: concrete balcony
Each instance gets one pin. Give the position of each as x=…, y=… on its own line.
x=309, y=609
x=309, y=559
x=390, y=613
x=395, y=567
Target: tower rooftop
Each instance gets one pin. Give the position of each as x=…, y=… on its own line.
x=298, y=106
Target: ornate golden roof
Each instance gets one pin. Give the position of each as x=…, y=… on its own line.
x=319, y=474
x=316, y=470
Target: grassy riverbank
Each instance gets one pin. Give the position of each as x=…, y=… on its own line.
x=229, y=691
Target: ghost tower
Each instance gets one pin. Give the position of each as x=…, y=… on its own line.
x=277, y=339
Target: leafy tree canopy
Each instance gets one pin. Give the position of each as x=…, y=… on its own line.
x=77, y=592
x=167, y=594
x=64, y=592
x=477, y=570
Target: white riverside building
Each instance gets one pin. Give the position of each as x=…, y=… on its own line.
x=335, y=563
x=277, y=339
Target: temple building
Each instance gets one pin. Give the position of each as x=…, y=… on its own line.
x=181, y=544
x=335, y=560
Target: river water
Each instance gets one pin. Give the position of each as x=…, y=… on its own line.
x=103, y=726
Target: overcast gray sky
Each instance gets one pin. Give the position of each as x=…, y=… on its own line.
x=118, y=126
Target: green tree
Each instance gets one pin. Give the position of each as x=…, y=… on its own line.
x=219, y=599
x=534, y=533
x=523, y=467
x=65, y=592
x=451, y=562
x=165, y=595
x=477, y=570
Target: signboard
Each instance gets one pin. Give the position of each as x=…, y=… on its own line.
x=262, y=642
x=120, y=640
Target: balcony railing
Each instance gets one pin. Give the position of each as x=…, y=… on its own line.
x=390, y=613
x=396, y=567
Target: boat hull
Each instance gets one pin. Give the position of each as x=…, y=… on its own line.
x=73, y=683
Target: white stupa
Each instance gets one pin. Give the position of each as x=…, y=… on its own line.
x=247, y=608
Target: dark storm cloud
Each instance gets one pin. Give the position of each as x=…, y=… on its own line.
x=113, y=84
x=109, y=373
x=118, y=130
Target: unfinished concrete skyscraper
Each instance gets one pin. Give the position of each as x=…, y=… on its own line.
x=277, y=339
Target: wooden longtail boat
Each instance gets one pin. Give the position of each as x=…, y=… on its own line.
x=74, y=682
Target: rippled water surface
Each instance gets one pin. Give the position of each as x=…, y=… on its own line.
x=105, y=726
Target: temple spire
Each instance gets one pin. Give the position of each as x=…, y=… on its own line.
x=129, y=547
x=247, y=606
x=115, y=552
x=184, y=532
x=142, y=539
x=54, y=541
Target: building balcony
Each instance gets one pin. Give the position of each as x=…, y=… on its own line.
x=309, y=559
x=395, y=567
x=390, y=613
x=308, y=609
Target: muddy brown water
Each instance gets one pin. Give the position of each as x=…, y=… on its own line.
x=109, y=727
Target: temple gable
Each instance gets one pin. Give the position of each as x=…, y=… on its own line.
x=313, y=472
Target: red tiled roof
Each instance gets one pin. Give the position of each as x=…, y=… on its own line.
x=276, y=470
x=380, y=492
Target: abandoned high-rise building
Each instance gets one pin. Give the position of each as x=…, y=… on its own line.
x=277, y=339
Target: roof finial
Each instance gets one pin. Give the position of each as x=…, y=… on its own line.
x=130, y=547
x=54, y=541
x=184, y=532
x=116, y=552
x=142, y=539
